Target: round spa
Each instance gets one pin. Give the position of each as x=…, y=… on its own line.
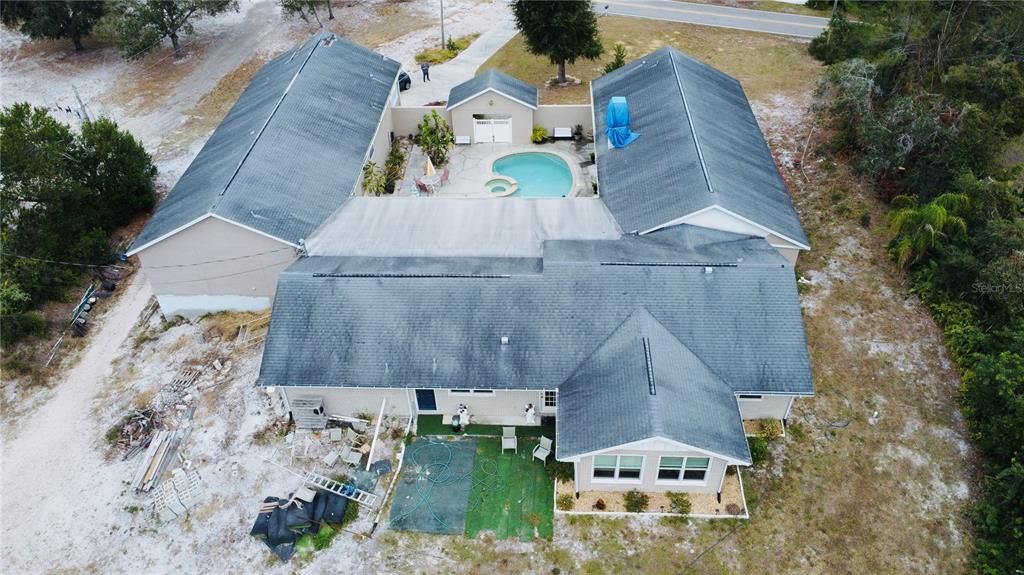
x=500, y=186
x=539, y=175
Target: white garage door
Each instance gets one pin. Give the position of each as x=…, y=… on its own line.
x=492, y=130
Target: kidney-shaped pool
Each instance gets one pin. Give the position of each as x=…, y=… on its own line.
x=538, y=174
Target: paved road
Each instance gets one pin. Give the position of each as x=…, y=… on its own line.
x=721, y=16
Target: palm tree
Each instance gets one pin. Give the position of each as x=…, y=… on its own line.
x=917, y=229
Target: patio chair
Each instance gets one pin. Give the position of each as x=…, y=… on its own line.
x=543, y=449
x=509, y=440
x=353, y=437
x=331, y=458
x=423, y=187
x=334, y=434
x=353, y=457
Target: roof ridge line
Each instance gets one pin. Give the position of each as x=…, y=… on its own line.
x=689, y=121
x=270, y=117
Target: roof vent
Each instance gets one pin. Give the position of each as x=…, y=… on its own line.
x=504, y=340
x=708, y=270
x=652, y=386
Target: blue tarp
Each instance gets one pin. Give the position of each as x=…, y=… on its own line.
x=617, y=122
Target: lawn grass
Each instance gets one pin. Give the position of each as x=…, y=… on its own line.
x=442, y=55
x=512, y=496
x=431, y=425
x=765, y=64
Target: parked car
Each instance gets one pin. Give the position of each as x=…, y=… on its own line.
x=404, y=81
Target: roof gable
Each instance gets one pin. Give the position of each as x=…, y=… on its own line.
x=699, y=146
x=496, y=81
x=642, y=383
x=322, y=102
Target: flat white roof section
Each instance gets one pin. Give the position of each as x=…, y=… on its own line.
x=454, y=227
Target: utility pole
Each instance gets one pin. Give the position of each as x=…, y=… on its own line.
x=443, y=45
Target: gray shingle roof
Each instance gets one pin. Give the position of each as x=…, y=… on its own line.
x=290, y=151
x=699, y=146
x=494, y=80
x=642, y=383
x=438, y=322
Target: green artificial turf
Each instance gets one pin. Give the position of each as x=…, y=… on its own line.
x=431, y=425
x=512, y=496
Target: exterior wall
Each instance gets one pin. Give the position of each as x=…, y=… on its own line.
x=239, y=279
x=406, y=119
x=768, y=407
x=522, y=116
x=718, y=220
x=568, y=116
x=350, y=401
x=649, y=476
x=382, y=139
x=505, y=407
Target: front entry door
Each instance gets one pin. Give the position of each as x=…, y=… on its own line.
x=425, y=400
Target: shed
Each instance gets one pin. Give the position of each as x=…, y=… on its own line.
x=493, y=108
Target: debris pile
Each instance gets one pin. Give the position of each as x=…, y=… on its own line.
x=282, y=522
x=174, y=498
x=162, y=451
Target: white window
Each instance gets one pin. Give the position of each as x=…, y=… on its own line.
x=750, y=397
x=550, y=398
x=471, y=391
x=628, y=467
x=683, y=468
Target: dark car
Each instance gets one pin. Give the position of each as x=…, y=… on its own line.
x=404, y=81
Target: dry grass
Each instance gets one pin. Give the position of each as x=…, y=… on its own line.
x=157, y=77
x=214, y=105
x=765, y=64
x=392, y=20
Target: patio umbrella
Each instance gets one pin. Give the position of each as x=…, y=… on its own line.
x=431, y=171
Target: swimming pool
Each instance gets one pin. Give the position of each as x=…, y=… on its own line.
x=539, y=175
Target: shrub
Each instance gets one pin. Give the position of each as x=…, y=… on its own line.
x=618, y=58
x=21, y=325
x=540, y=133
x=374, y=180
x=733, y=509
x=771, y=429
x=436, y=138
x=758, y=449
x=351, y=514
x=322, y=539
x=679, y=502
x=636, y=502
x=600, y=505
x=565, y=502
x=559, y=470
x=394, y=167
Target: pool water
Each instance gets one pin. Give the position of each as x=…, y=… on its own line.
x=539, y=175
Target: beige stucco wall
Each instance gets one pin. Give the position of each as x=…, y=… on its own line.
x=352, y=401
x=649, y=476
x=235, y=279
x=522, y=116
x=406, y=119
x=502, y=408
x=567, y=116
x=768, y=407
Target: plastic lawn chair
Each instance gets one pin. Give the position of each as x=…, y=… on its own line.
x=543, y=449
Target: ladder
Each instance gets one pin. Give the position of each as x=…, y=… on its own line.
x=343, y=489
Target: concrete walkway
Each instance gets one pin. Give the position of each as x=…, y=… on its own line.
x=720, y=16
x=461, y=68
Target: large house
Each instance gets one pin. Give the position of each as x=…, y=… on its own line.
x=649, y=320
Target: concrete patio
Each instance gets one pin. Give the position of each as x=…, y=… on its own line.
x=470, y=167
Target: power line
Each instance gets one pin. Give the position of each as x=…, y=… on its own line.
x=226, y=274
x=218, y=261
x=76, y=264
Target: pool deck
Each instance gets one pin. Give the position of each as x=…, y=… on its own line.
x=470, y=167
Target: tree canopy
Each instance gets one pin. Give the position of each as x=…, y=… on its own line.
x=55, y=19
x=563, y=31
x=140, y=25
x=61, y=195
x=923, y=98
